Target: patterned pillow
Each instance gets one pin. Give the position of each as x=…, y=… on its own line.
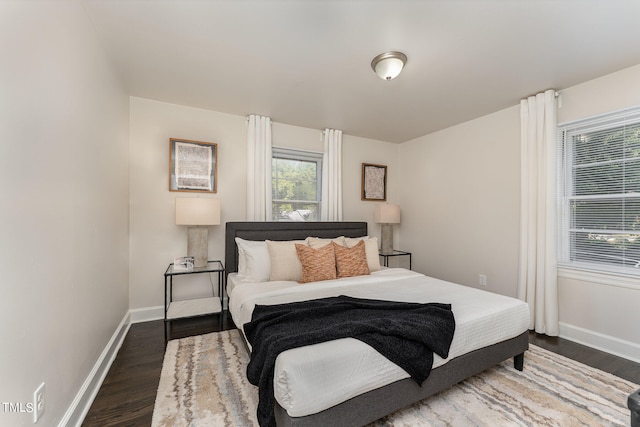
x=351, y=261
x=370, y=248
x=317, y=264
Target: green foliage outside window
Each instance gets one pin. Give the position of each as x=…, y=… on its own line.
x=294, y=190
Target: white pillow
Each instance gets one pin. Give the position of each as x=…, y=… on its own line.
x=318, y=242
x=254, y=263
x=285, y=264
x=370, y=248
x=352, y=241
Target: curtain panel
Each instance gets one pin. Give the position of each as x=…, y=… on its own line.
x=537, y=281
x=331, y=209
x=259, y=169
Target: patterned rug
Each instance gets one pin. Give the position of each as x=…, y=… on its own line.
x=203, y=383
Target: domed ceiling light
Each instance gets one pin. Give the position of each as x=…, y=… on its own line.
x=389, y=64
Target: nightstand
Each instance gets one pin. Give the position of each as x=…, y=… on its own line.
x=192, y=307
x=394, y=253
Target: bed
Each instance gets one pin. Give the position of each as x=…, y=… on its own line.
x=350, y=384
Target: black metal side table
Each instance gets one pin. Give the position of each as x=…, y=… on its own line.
x=191, y=307
x=386, y=255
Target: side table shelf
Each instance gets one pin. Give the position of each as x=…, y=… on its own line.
x=191, y=307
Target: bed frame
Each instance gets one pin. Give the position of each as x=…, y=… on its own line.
x=375, y=404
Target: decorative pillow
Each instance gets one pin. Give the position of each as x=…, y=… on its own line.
x=285, y=264
x=371, y=249
x=317, y=242
x=317, y=264
x=351, y=261
x=254, y=264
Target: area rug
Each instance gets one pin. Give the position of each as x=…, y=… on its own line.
x=203, y=383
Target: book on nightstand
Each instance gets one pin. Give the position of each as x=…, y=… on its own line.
x=183, y=263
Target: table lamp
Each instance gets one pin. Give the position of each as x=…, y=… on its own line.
x=387, y=214
x=199, y=213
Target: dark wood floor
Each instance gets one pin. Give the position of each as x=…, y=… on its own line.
x=128, y=393
x=606, y=362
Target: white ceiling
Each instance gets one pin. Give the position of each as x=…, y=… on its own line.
x=307, y=63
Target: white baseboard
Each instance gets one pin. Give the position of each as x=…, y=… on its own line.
x=147, y=314
x=626, y=349
x=84, y=398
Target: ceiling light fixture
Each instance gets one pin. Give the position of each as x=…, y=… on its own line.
x=389, y=64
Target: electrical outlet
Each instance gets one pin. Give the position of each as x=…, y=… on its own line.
x=38, y=403
x=482, y=280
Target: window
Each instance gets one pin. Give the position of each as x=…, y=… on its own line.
x=599, y=193
x=296, y=178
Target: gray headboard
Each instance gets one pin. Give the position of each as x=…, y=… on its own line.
x=284, y=231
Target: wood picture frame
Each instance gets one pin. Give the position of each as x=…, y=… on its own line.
x=193, y=166
x=374, y=182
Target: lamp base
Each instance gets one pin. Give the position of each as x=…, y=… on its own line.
x=198, y=245
x=386, y=240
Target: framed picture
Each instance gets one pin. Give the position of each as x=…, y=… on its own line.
x=374, y=182
x=192, y=166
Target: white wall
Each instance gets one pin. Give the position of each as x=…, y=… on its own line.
x=460, y=194
x=460, y=197
x=154, y=237
x=64, y=216
x=356, y=151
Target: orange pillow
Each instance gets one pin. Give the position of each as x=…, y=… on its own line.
x=351, y=261
x=317, y=264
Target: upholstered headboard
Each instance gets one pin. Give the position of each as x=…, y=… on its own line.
x=284, y=231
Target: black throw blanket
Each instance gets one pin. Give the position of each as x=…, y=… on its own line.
x=405, y=333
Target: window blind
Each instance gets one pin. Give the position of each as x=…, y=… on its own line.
x=599, y=192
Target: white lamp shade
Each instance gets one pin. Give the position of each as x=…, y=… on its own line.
x=197, y=211
x=387, y=214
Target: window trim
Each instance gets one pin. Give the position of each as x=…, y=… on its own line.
x=305, y=156
x=600, y=277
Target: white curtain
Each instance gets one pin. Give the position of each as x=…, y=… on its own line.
x=259, y=169
x=331, y=209
x=537, y=281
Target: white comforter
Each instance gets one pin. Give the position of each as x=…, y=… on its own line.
x=313, y=378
